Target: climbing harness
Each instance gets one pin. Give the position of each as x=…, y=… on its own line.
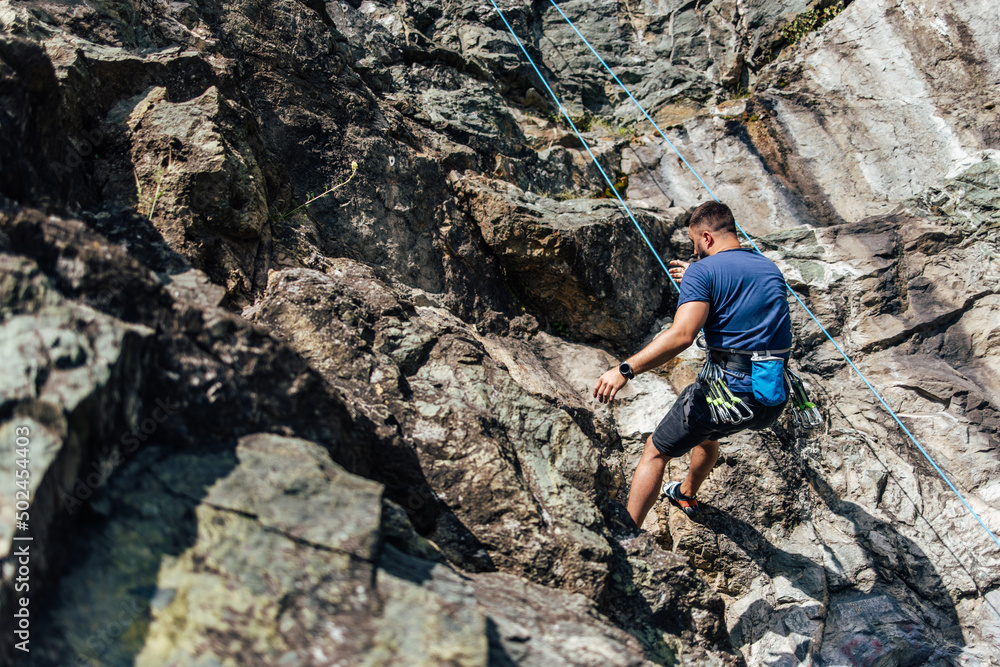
x=805, y=403
x=770, y=378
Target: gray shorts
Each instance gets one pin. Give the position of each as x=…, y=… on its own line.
x=689, y=421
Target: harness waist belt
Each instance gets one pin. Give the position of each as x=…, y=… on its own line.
x=732, y=362
x=750, y=353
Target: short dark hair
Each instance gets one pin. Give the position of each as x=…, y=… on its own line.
x=715, y=216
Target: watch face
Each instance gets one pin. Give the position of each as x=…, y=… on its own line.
x=626, y=370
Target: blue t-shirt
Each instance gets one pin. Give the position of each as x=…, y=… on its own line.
x=748, y=309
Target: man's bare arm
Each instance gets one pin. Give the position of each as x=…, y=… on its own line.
x=688, y=321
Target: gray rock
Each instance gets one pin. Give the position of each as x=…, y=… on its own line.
x=395, y=349
x=219, y=191
x=532, y=625
x=557, y=259
x=867, y=105
x=447, y=399
x=66, y=397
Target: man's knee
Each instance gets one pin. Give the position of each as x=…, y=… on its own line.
x=650, y=451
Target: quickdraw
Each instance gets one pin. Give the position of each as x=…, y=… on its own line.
x=804, y=412
x=724, y=407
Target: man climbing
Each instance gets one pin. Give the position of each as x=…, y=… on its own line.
x=738, y=297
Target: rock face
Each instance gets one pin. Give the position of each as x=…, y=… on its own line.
x=583, y=264
x=216, y=202
x=282, y=409
x=927, y=72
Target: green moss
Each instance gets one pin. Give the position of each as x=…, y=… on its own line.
x=560, y=329
x=623, y=130
x=806, y=22
x=587, y=121
x=621, y=185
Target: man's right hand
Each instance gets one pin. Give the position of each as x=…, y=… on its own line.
x=677, y=268
x=608, y=385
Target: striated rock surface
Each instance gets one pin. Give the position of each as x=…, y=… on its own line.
x=301, y=306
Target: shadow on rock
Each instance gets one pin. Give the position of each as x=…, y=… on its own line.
x=256, y=552
x=864, y=593
x=654, y=591
x=99, y=610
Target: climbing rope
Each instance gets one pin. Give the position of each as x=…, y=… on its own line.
x=565, y=114
x=800, y=401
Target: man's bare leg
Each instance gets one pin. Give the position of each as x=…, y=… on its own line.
x=646, y=482
x=703, y=458
x=649, y=475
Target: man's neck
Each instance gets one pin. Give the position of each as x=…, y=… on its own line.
x=735, y=245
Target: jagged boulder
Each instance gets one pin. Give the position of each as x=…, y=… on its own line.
x=294, y=552
x=199, y=182
x=516, y=475
x=581, y=265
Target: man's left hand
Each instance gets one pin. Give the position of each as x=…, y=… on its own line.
x=608, y=385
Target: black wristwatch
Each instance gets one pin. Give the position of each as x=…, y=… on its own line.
x=626, y=370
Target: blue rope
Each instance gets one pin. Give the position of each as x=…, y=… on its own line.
x=636, y=102
x=587, y=146
x=788, y=287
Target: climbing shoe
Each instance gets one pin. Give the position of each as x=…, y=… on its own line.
x=672, y=490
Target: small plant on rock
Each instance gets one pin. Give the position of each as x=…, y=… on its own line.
x=560, y=329
x=160, y=173
x=621, y=185
x=806, y=22
x=354, y=170
x=741, y=93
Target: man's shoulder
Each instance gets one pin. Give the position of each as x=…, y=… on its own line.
x=716, y=262
x=745, y=262
x=734, y=259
